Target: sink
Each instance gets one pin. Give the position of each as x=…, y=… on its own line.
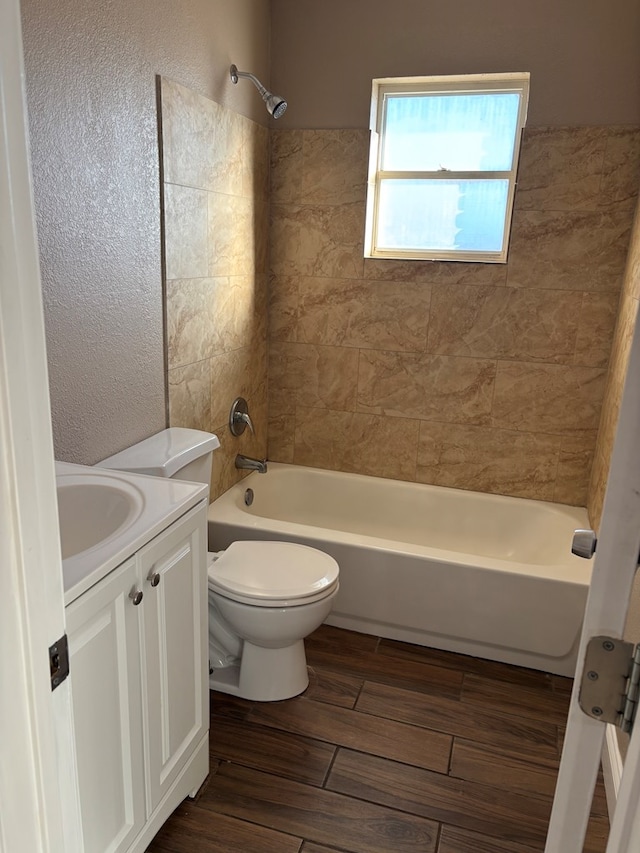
x=92, y=510
x=106, y=516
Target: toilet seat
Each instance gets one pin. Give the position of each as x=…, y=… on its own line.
x=273, y=574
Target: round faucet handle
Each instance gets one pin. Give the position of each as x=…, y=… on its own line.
x=239, y=418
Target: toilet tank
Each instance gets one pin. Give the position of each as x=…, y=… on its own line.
x=177, y=452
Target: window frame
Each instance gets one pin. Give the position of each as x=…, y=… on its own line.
x=508, y=83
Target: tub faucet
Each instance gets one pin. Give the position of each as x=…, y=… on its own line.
x=246, y=462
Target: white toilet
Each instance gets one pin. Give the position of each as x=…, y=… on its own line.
x=264, y=597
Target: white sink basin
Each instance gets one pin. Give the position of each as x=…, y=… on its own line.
x=93, y=509
x=106, y=516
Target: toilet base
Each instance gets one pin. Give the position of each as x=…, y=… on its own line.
x=264, y=675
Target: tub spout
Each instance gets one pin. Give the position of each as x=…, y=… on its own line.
x=246, y=462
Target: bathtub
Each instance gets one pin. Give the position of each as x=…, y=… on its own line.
x=478, y=574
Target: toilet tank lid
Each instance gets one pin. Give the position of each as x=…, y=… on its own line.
x=164, y=453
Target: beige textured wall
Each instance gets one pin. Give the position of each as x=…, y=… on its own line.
x=582, y=54
x=91, y=82
x=476, y=376
x=216, y=185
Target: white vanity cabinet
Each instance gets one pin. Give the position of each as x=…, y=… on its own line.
x=138, y=653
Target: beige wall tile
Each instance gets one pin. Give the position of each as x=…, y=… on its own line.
x=232, y=244
x=255, y=162
x=283, y=307
x=434, y=272
x=187, y=127
x=281, y=438
x=548, y=398
x=574, y=468
x=429, y=387
x=230, y=378
x=190, y=396
x=185, y=230
x=621, y=170
x=208, y=316
x=363, y=313
x=188, y=317
x=286, y=166
x=568, y=251
x=357, y=443
x=483, y=459
x=561, y=168
x=317, y=240
x=261, y=231
x=225, y=168
x=504, y=322
x=595, y=329
x=201, y=318
x=313, y=376
x=334, y=169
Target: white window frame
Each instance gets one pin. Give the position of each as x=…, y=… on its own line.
x=511, y=83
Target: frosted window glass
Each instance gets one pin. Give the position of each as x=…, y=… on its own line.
x=442, y=215
x=464, y=133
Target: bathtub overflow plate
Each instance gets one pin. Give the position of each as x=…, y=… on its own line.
x=248, y=497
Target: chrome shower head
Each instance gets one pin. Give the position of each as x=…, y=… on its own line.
x=274, y=103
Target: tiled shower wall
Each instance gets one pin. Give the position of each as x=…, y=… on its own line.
x=216, y=184
x=477, y=376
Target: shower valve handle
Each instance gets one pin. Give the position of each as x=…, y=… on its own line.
x=239, y=417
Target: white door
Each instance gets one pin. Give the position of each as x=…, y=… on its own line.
x=38, y=790
x=613, y=573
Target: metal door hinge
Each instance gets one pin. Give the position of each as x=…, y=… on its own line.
x=610, y=683
x=59, y=661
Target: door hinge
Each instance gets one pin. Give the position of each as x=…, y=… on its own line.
x=610, y=683
x=59, y=661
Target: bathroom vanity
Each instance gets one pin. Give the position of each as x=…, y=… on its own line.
x=136, y=620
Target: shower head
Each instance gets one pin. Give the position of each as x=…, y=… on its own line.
x=274, y=103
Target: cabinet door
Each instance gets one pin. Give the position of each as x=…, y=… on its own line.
x=176, y=649
x=103, y=627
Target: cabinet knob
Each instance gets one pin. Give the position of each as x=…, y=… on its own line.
x=154, y=578
x=136, y=595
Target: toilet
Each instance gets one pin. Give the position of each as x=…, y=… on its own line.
x=264, y=597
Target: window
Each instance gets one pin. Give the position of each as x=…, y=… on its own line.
x=442, y=166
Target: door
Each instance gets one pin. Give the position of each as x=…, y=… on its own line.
x=173, y=577
x=38, y=797
x=103, y=628
x=613, y=573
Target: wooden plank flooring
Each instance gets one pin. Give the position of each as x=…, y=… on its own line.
x=393, y=748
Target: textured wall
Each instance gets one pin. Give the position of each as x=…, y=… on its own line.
x=216, y=185
x=478, y=376
x=91, y=81
x=582, y=54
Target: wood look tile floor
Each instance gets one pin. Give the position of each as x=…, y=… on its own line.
x=393, y=748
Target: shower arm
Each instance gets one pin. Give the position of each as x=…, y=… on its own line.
x=274, y=103
x=235, y=74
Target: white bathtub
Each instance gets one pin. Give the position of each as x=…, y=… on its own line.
x=479, y=574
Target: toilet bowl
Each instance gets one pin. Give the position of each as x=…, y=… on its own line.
x=264, y=599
